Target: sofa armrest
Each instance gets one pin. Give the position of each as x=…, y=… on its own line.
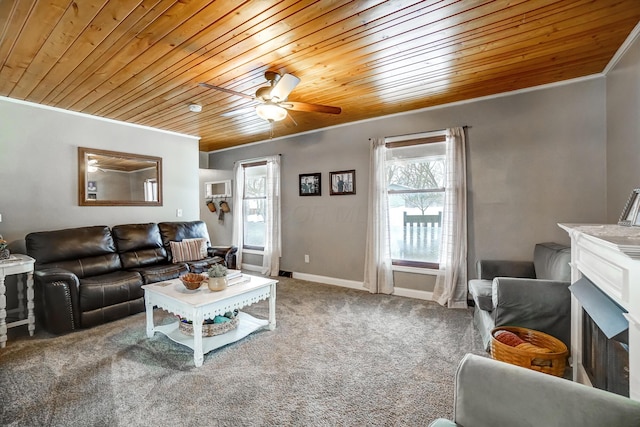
x=228, y=253
x=57, y=294
x=493, y=393
x=542, y=305
x=490, y=269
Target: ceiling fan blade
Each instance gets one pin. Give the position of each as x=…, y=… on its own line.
x=313, y=108
x=284, y=86
x=232, y=92
x=291, y=122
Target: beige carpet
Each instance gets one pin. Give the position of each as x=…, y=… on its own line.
x=338, y=357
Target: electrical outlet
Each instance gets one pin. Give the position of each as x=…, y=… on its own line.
x=306, y=259
x=179, y=213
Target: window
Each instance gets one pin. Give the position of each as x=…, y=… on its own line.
x=150, y=190
x=415, y=187
x=255, y=205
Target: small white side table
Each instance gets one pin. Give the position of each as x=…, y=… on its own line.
x=16, y=264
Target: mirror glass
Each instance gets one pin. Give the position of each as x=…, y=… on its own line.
x=217, y=189
x=111, y=178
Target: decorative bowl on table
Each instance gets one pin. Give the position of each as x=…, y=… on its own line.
x=192, y=281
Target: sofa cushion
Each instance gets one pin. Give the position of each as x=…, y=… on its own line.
x=161, y=272
x=481, y=293
x=139, y=245
x=187, y=250
x=202, y=242
x=85, y=251
x=551, y=261
x=177, y=231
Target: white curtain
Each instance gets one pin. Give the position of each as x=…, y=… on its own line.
x=272, y=245
x=451, y=285
x=378, y=276
x=237, y=235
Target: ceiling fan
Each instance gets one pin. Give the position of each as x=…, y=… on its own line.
x=272, y=100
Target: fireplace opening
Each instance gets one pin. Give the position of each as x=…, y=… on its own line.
x=605, y=360
x=605, y=338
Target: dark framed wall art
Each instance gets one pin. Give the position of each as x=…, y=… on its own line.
x=310, y=184
x=342, y=182
x=631, y=213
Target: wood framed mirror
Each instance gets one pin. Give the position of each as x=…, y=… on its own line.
x=112, y=178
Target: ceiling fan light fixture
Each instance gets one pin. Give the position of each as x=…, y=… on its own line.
x=271, y=112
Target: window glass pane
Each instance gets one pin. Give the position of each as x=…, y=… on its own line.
x=254, y=205
x=416, y=203
x=255, y=181
x=413, y=174
x=254, y=222
x=414, y=235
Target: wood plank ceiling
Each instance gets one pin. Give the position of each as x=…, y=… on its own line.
x=140, y=61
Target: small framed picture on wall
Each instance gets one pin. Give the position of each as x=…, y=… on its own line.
x=631, y=213
x=342, y=182
x=310, y=184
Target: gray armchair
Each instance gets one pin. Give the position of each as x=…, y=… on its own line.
x=492, y=393
x=532, y=295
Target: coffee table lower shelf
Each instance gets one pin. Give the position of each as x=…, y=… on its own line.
x=247, y=324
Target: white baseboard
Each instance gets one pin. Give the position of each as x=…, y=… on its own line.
x=330, y=281
x=353, y=284
x=413, y=293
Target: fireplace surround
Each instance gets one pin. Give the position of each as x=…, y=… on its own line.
x=609, y=257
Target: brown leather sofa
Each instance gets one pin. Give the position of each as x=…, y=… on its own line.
x=92, y=275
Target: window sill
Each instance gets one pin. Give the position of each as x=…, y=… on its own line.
x=416, y=270
x=253, y=251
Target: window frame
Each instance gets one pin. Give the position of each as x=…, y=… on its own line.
x=407, y=141
x=244, y=198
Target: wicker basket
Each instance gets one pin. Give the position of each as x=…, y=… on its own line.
x=210, y=329
x=553, y=363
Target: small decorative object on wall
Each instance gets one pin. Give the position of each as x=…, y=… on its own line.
x=310, y=184
x=211, y=205
x=224, y=208
x=631, y=215
x=92, y=187
x=342, y=182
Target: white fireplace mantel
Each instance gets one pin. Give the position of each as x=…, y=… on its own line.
x=609, y=256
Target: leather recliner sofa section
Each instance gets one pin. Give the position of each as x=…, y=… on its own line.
x=92, y=275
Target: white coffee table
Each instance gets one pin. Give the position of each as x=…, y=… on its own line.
x=202, y=304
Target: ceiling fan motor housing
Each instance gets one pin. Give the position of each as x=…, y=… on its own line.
x=264, y=93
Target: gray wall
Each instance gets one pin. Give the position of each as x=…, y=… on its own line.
x=39, y=170
x=534, y=159
x=623, y=131
x=220, y=232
